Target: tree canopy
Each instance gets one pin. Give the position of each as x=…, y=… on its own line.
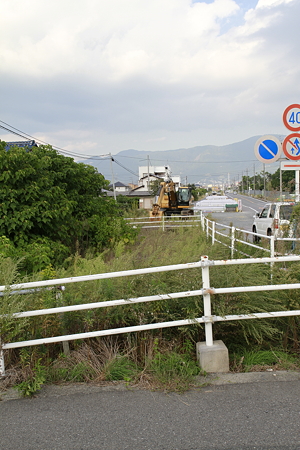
x=47, y=199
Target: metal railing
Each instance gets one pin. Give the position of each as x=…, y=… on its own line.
x=206, y=291
x=165, y=222
x=234, y=235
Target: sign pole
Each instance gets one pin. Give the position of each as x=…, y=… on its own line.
x=297, y=185
x=280, y=182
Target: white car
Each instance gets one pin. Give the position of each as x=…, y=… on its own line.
x=274, y=220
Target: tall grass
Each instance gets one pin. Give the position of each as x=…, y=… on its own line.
x=152, y=248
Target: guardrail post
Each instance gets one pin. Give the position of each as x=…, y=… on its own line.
x=272, y=247
x=272, y=253
x=202, y=220
x=163, y=222
x=212, y=355
x=206, y=302
x=2, y=365
x=213, y=231
x=232, y=241
x=60, y=302
x=207, y=229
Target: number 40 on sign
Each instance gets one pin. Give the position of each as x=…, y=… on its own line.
x=291, y=117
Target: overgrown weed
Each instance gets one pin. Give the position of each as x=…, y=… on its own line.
x=137, y=357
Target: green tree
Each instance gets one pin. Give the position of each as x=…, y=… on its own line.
x=49, y=201
x=288, y=180
x=154, y=186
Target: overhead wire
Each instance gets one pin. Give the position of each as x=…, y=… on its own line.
x=24, y=135
x=78, y=155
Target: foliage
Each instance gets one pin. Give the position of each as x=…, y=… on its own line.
x=121, y=368
x=255, y=360
x=52, y=207
x=9, y=303
x=259, y=181
x=34, y=377
x=145, y=355
x=173, y=370
x=288, y=180
x=154, y=186
x=196, y=192
x=127, y=203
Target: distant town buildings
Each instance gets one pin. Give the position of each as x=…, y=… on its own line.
x=147, y=174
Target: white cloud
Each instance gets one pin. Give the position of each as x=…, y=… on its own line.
x=116, y=74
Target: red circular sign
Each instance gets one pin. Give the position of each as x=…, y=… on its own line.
x=291, y=117
x=291, y=146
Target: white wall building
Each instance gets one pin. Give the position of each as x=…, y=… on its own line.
x=150, y=173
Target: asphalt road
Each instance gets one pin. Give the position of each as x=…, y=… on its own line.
x=257, y=415
x=244, y=219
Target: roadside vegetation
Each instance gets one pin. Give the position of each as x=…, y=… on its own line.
x=156, y=359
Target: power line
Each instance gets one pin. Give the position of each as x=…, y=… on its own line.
x=86, y=157
x=121, y=165
x=194, y=162
x=26, y=136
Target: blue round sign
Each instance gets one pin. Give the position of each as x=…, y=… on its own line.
x=267, y=149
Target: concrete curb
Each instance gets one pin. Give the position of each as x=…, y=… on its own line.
x=251, y=377
x=217, y=379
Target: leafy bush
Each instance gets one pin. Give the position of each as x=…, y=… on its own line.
x=121, y=368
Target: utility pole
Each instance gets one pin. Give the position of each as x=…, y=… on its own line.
x=254, y=179
x=148, y=172
x=112, y=174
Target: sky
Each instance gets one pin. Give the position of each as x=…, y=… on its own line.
x=98, y=76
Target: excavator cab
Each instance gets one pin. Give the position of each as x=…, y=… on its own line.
x=184, y=196
x=171, y=201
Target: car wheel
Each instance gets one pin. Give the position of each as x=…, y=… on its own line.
x=255, y=237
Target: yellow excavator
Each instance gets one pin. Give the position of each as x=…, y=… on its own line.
x=170, y=201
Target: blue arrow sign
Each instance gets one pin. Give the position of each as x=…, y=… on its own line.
x=296, y=142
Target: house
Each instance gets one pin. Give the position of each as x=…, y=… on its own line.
x=146, y=176
x=151, y=173
x=120, y=188
x=142, y=191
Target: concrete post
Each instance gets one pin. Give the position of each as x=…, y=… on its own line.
x=2, y=365
x=211, y=355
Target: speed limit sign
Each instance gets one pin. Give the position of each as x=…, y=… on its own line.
x=291, y=117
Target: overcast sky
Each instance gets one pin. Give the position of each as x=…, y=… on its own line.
x=103, y=76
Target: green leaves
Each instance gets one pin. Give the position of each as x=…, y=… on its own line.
x=44, y=195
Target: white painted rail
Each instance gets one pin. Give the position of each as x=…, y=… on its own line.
x=233, y=235
x=206, y=291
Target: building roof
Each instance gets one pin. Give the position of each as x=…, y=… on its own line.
x=119, y=184
x=139, y=192
x=22, y=144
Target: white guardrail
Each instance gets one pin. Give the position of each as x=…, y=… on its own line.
x=213, y=230
x=234, y=234
x=165, y=222
x=206, y=291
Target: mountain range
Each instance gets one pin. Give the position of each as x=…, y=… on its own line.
x=203, y=164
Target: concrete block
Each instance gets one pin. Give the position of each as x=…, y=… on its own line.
x=213, y=358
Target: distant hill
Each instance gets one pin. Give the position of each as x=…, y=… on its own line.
x=205, y=164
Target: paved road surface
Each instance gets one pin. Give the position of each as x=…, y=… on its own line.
x=243, y=219
x=259, y=415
